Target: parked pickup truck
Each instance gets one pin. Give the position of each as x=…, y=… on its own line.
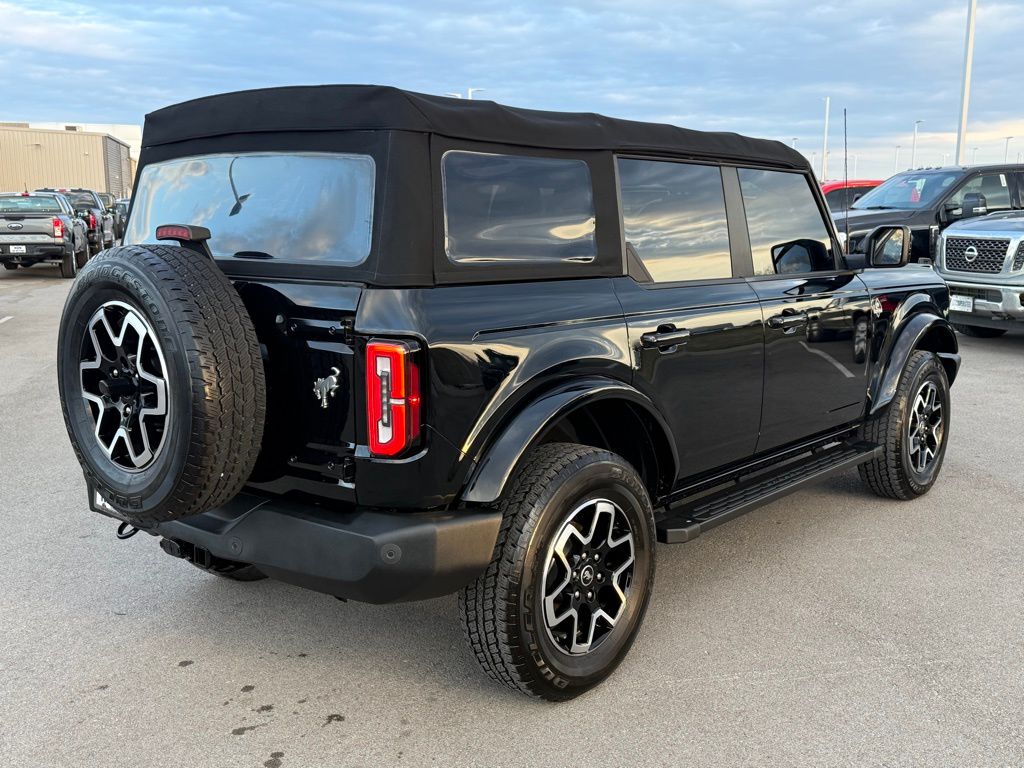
x=982, y=262
x=929, y=200
x=98, y=220
x=41, y=227
x=495, y=351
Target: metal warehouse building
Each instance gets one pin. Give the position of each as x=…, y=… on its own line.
x=33, y=157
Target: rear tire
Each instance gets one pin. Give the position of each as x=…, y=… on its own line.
x=69, y=265
x=979, y=331
x=161, y=382
x=576, y=540
x=908, y=430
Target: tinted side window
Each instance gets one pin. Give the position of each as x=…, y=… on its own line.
x=837, y=199
x=787, y=232
x=674, y=216
x=513, y=208
x=994, y=186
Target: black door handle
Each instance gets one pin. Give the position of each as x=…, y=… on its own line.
x=788, y=320
x=666, y=337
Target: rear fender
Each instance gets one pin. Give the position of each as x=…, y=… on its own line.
x=495, y=468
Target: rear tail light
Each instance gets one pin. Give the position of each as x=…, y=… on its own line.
x=58, y=228
x=92, y=221
x=392, y=397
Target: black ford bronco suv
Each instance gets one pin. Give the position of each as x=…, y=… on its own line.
x=390, y=346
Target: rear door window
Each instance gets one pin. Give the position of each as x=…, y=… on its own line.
x=289, y=207
x=673, y=215
x=501, y=209
x=788, y=234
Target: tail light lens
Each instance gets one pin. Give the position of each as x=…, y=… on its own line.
x=92, y=221
x=58, y=228
x=392, y=397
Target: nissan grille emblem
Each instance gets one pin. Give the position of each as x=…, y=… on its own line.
x=15, y=225
x=970, y=254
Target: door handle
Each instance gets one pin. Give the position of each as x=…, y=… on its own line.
x=788, y=320
x=665, y=338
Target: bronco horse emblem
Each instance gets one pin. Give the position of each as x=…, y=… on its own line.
x=325, y=388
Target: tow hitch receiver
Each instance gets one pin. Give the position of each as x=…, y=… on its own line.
x=197, y=555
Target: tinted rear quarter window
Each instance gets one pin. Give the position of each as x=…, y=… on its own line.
x=502, y=208
x=787, y=232
x=674, y=217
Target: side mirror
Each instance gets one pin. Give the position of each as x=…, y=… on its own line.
x=887, y=246
x=974, y=205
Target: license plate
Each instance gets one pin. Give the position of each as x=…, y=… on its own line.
x=961, y=303
x=17, y=249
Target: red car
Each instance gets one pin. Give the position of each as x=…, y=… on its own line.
x=840, y=195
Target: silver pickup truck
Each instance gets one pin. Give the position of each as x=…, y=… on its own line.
x=982, y=261
x=41, y=227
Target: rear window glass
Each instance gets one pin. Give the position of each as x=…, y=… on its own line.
x=81, y=199
x=18, y=203
x=291, y=207
x=513, y=208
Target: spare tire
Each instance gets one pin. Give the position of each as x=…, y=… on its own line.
x=161, y=382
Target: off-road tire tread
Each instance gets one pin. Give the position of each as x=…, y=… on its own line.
x=886, y=475
x=227, y=379
x=486, y=604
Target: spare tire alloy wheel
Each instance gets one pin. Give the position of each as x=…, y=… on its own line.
x=161, y=382
x=124, y=379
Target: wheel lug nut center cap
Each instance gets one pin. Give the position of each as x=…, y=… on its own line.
x=587, y=575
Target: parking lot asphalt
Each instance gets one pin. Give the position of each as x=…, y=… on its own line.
x=829, y=628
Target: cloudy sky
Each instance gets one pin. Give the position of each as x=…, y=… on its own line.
x=761, y=67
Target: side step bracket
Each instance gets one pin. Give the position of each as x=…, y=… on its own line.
x=689, y=517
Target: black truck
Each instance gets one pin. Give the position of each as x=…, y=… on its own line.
x=930, y=199
x=391, y=346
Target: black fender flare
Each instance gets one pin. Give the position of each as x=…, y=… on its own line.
x=494, y=469
x=908, y=339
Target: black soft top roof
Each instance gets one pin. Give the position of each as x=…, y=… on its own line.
x=367, y=107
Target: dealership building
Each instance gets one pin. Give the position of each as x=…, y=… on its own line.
x=32, y=157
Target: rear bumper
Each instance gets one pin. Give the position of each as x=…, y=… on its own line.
x=993, y=304
x=370, y=556
x=33, y=251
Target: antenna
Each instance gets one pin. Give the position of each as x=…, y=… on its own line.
x=846, y=183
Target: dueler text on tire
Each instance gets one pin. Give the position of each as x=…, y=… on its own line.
x=913, y=431
x=161, y=382
x=565, y=593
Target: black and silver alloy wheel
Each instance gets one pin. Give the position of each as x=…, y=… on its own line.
x=587, y=577
x=124, y=380
x=561, y=602
x=925, y=427
x=912, y=431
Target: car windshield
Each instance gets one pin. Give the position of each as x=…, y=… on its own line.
x=918, y=189
x=298, y=207
x=23, y=204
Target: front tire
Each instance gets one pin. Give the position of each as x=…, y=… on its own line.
x=979, y=331
x=913, y=432
x=561, y=602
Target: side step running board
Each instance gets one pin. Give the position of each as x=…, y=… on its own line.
x=689, y=518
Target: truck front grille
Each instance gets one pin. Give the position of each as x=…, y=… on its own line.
x=971, y=254
x=1018, y=260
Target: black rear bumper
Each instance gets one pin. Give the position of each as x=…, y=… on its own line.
x=371, y=556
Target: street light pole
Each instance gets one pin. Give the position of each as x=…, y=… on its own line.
x=974, y=155
x=824, y=144
x=793, y=144
x=1006, y=149
x=965, y=91
x=896, y=165
x=913, y=146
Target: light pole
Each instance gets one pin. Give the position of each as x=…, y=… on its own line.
x=965, y=91
x=814, y=159
x=896, y=165
x=974, y=155
x=945, y=157
x=855, y=159
x=793, y=144
x=1006, y=149
x=468, y=96
x=824, y=143
x=913, y=146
